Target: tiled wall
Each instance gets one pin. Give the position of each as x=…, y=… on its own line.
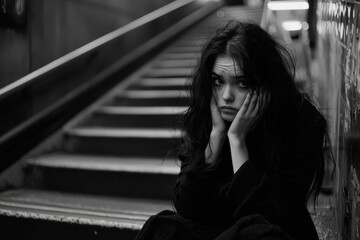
x=338, y=52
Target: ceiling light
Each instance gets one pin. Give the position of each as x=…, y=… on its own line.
x=287, y=5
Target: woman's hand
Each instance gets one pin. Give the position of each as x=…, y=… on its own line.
x=242, y=123
x=217, y=135
x=218, y=124
x=247, y=115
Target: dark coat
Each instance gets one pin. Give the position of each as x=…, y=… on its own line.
x=168, y=225
x=212, y=201
x=206, y=195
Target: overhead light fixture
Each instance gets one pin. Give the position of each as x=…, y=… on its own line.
x=287, y=5
x=292, y=25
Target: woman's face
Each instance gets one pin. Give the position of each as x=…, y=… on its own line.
x=229, y=86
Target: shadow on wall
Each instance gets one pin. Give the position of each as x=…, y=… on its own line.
x=13, y=13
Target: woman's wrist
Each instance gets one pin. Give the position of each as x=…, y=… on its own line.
x=213, y=149
x=238, y=144
x=239, y=152
x=235, y=139
x=218, y=133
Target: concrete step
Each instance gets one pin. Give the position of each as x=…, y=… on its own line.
x=151, y=98
x=151, y=142
x=137, y=116
x=184, y=49
x=198, y=35
x=103, y=175
x=179, y=56
x=160, y=84
x=169, y=72
x=190, y=42
x=55, y=215
x=186, y=63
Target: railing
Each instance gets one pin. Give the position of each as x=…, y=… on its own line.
x=37, y=104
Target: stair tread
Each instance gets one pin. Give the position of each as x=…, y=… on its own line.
x=153, y=94
x=179, y=56
x=125, y=132
x=162, y=82
x=140, y=110
x=186, y=42
x=168, y=72
x=184, y=49
x=190, y=63
x=79, y=208
x=107, y=163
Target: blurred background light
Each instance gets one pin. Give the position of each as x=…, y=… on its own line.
x=305, y=26
x=292, y=25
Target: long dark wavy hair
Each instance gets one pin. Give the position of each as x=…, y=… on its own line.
x=290, y=125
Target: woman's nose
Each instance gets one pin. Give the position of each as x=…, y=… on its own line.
x=228, y=94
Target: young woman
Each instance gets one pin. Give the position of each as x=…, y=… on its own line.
x=254, y=146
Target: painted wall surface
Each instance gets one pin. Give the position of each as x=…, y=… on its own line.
x=57, y=27
x=338, y=90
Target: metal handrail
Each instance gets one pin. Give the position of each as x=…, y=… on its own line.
x=34, y=76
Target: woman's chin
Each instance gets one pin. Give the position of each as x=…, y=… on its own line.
x=227, y=117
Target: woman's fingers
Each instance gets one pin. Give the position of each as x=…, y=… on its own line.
x=259, y=102
x=244, y=107
x=254, y=105
x=241, y=122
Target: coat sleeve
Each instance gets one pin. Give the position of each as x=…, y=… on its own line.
x=196, y=192
x=249, y=187
x=278, y=196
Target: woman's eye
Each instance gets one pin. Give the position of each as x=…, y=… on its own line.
x=218, y=81
x=243, y=84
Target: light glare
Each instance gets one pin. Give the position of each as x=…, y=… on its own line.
x=287, y=5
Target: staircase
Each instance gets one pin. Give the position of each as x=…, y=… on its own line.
x=114, y=165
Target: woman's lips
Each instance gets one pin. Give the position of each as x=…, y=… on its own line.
x=227, y=109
